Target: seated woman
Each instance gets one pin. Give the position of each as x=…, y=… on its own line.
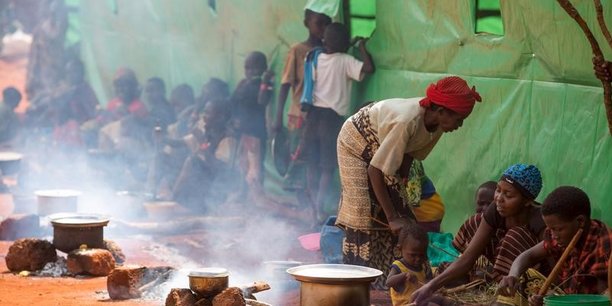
x=511, y=226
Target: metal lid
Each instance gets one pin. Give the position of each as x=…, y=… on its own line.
x=210, y=272
x=58, y=193
x=9, y=156
x=332, y=273
x=78, y=220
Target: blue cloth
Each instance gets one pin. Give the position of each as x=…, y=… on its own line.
x=310, y=67
x=427, y=188
x=526, y=178
x=441, y=248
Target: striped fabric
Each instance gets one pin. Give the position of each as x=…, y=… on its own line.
x=504, y=246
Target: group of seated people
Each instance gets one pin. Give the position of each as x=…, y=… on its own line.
x=194, y=150
x=511, y=240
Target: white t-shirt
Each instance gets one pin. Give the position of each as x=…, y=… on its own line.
x=401, y=130
x=334, y=75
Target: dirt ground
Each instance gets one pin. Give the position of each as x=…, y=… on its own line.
x=69, y=291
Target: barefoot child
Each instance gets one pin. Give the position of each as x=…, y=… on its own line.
x=327, y=105
x=412, y=270
x=565, y=210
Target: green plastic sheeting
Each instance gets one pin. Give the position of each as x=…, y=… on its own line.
x=541, y=102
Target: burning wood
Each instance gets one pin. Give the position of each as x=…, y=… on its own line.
x=134, y=281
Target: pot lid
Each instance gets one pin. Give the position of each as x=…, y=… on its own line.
x=58, y=193
x=334, y=273
x=209, y=272
x=78, y=220
x=10, y=156
x=282, y=263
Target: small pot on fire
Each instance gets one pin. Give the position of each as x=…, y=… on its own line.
x=208, y=282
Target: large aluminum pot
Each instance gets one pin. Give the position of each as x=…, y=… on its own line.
x=71, y=230
x=208, y=282
x=334, y=285
x=53, y=201
x=10, y=162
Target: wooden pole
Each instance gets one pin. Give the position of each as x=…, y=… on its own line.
x=598, y=55
x=602, y=22
x=560, y=262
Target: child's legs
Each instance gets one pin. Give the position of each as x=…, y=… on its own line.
x=310, y=154
x=328, y=131
x=252, y=157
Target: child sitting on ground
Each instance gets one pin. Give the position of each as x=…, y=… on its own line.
x=327, y=104
x=210, y=165
x=565, y=210
x=410, y=272
x=484, y=195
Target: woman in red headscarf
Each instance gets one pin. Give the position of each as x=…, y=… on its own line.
x=376, y=147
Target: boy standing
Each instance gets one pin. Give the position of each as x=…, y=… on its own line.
x=293, y=79
x=334, y=73
x=565, y=210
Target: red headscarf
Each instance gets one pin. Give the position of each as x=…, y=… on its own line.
x=453, y=93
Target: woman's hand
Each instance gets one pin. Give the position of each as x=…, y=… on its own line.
x=507, y=286
x=422, y=295
x=396, y=225
x=536, y=300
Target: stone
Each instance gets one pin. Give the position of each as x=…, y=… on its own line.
x=180, y=297
x=203, y=302
x=231, y=296
x=29, y=254
x=97, y=262
x=20, y=226
x=114, y=248
x=124, y=282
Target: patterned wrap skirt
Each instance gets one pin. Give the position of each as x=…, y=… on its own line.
x=368, y=241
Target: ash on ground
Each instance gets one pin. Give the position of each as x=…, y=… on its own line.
x=57, y=268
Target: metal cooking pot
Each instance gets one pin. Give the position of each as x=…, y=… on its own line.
x=208, y=282
x=162, y=210
x=10, y=162
x=334, y=285
x=56, y=201
x=71, y=230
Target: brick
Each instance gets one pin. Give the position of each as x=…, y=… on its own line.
x=124, y=282
x=97, y=262
x=180, y=297
x=231, y=296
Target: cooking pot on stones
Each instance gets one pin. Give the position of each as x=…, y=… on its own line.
x=56, y=201
x=71, y=230
x=334, y=284
x=10, y=162
x=208, y=282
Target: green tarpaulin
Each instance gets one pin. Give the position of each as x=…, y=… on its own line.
x=541, y=102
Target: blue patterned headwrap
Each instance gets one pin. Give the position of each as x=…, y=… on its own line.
x=526, y=178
